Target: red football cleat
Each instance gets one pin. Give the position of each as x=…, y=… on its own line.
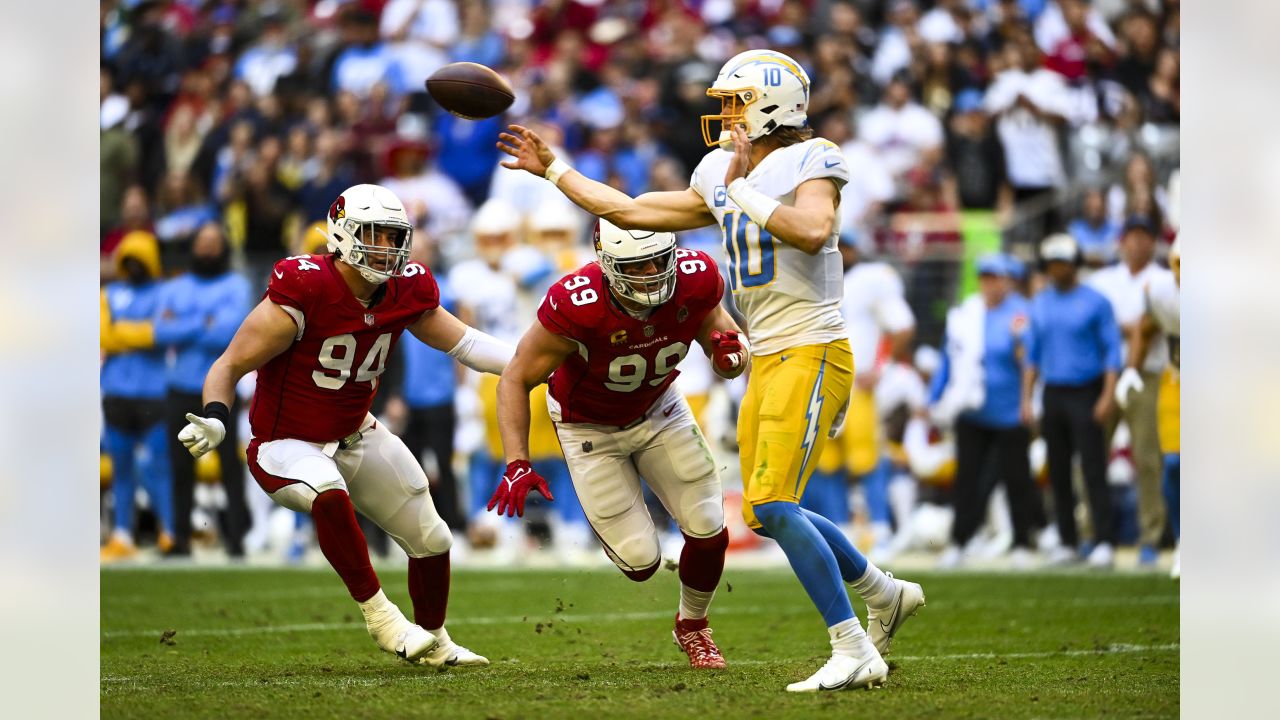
x=694, y=638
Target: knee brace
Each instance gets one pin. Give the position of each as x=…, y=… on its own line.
x=637, y=557
x=420, y=536
x=642, y=574
x=296, y=496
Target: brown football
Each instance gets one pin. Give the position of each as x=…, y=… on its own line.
x=470, y=90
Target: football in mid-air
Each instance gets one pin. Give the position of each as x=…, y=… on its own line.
x=470, y=90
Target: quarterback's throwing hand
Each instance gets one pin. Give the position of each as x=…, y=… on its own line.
x=514, y=487
x=728, y=356
x=202, y=434
x=529, y=150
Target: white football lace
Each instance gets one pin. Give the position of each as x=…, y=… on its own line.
x=702, y=647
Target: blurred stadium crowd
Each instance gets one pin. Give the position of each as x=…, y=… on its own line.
x=974, y=129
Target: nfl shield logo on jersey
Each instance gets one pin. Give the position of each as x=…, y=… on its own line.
x=682, y=314
x=648, y=331
x=368, y=318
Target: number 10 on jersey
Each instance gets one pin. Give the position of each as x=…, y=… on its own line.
x=750, y=250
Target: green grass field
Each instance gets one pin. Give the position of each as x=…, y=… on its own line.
x=289, y=643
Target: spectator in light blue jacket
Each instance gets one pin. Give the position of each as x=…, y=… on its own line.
x=978, y=390
x=133, y=388
x=201, y=311
x=1075, y=349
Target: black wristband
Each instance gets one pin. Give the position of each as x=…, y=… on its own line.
x=217, y=410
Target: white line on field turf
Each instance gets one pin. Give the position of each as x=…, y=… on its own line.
x=615, y=617
x=111, y=683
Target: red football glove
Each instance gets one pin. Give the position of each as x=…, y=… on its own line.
x=514, y=486
x=728, y=355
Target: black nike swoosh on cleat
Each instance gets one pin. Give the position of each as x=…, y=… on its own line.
x=897, y=603
x=403, y=653
x=847, y=681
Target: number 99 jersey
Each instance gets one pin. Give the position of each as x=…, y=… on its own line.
x=623, y=364
x=789, y=297
x=322, y=386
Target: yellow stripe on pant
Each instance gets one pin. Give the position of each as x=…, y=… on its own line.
x=1169, y=412
x=792, y=399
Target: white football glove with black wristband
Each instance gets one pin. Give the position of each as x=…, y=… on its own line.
x=203, y=434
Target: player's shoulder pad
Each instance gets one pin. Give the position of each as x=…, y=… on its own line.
x=819, y=158
x=417, y=287
x=298, y=280
x=711, y=167
x=699, y=275
x=575, y=301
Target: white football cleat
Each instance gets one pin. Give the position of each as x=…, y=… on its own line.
x=1175, y=572
x=414, y=642
x=883, y=623
x=450, y=654
x=842, y=672
x=392, y=630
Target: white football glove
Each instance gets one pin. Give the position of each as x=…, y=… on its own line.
x=202, y=434
x=1130, y=381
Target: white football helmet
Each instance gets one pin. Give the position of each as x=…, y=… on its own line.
x=622, y=252
x=765, y=89
x=356, y=218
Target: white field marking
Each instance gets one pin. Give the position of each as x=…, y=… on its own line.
x=616, y=617
x=455, y=622
x=113, y=683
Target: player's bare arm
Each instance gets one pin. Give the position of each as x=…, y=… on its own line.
x=806, y=225
x=477, y=350
x=664, y=211
x=725, y=343
x=264, y=334
x=539, y=353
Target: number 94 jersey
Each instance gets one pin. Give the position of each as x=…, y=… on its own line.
x=623, y=364
x=790, y=298
x=322, y=386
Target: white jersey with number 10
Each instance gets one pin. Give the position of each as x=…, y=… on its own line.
x=789, y=298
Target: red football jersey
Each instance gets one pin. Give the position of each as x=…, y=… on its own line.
x=624, y=364
x=321, y=388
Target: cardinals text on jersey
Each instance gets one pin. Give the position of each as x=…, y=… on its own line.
x=790, y=298
x=623, y=364
x=321, y=388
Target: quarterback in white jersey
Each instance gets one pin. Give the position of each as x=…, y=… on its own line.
x=802, y=305
x=774, y=192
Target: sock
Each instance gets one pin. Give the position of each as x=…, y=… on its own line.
x=701, y=565
x=429, y=590
x=851, y=562
x=849, y=639
x=343, y=544
x=875, y=588
x=811, y=558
